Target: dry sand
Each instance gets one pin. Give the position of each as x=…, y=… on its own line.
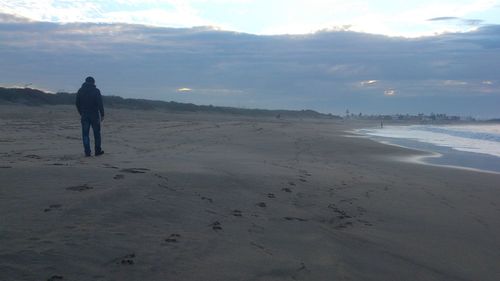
x=211, y=197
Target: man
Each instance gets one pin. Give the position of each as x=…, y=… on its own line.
x=89, y=105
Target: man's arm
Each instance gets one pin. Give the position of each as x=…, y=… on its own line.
x=100, y=105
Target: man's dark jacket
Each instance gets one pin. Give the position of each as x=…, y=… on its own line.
x=89, y=101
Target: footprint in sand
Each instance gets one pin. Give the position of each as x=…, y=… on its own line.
x=286, y=189
x=52, y=207
x=33, y=156
x=216, y=226
x=5, y=167
x=262, y=248
x=134, y=170
x=161, y=177
x=127, y=259
x=163, y=185
x=348, y=200
x=341, y=214
x=119, y=177
x=237, y=213
x=173, y=238
x=261, y=204
x=79, y=188
x=291, y=183
x=294, y=219
x=365, y=222
x=344, y=220
x=303, y=267
x=369, y=193
x=210, y=200
x=361, y=210
x=343, y=225
x=271, y=195
x=55, y=277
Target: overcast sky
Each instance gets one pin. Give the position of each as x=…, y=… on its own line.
x=389, y=17
x=329, y=71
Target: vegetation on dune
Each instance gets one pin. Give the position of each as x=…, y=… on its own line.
x=34, y=97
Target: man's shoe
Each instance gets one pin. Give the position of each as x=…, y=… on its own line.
x=99, y=153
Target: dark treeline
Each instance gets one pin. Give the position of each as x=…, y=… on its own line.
x=34, y=97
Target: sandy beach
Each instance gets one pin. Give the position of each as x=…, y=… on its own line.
x=193, y=196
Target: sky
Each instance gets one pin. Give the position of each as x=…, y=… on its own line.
x=410, y=18
x=329, y=56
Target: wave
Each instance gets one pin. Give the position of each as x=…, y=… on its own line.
x=483, y=139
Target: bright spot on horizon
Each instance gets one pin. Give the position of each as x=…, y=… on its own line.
x=410, y=18
x=389, y=92
x=369, y=82
x=454, y=83
x=184, y=90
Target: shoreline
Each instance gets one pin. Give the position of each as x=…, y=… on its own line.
x=439, y=156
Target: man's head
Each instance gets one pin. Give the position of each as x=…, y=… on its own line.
x=90, y=80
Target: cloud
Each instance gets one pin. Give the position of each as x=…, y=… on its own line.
x=156, y=17
x=472, y=22
x=47, y=10
x=458, y=21
x=294, y=17
x=349, y=70
x=7, y=18
x=172, y=13
x=443, y=19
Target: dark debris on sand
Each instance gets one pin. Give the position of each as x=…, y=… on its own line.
x=79, y=188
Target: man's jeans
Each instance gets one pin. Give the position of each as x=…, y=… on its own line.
x=95, y=122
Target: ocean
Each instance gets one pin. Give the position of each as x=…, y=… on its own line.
x=465, y=146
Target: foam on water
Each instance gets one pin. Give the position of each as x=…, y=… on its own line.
x=483, y=139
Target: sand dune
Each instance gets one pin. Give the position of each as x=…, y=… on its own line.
x=213, y=197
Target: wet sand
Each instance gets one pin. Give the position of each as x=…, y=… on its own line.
x=210, y=197
x=443, y=156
